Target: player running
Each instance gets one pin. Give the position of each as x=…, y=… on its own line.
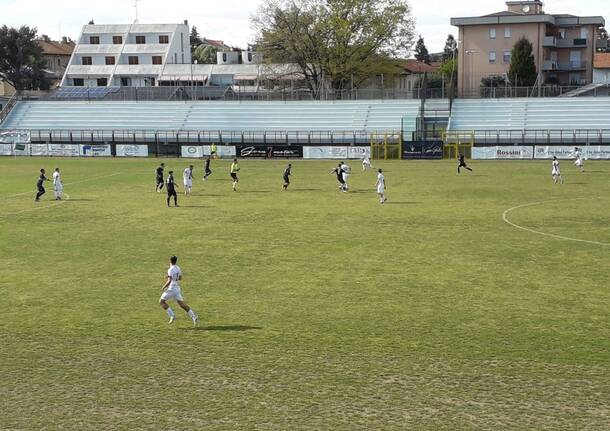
x=40, y=184
x=287, y=174
x=159, y=177
x=366, y=162
x=187, y=179
x=579, y=162
x=381, y=187
x=171, y=290
x=171, y=189
x=234, y=171
x=346, y=173
x=213, y=150
x=462, y=163
x=339, y=172
x=207, y=170
x=556, y=172
x=58, y=186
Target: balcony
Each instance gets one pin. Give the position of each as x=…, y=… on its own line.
x=554, y=42
x=563, y=66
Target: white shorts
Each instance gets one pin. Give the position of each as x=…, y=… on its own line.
x=380, y=189
x=578, y=163
x=345, y=177
x=58, y=187
x=172, y=293
x=366, y=163
x=188, y=183
x=555, y=173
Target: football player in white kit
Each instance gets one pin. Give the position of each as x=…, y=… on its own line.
x=58, y=186
x=381, y=187
x=346, y=172
x=556, y=173
x=579, y=162
x=187, y=178
x=366, y=162
x=171, y=290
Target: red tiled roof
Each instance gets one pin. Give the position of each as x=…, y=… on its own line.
x=602, y=60
x=414, y=66
x=56, y=48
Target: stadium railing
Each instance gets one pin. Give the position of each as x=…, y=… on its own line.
x=8, y=107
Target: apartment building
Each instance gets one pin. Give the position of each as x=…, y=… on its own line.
x=563, y=45
x=126, y=55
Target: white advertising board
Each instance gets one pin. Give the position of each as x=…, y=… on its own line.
x=95, y=150
x=559, y=151
x=192, y=151
x=14, y=137
x=325, y=152
x=61, y=150
x=132, y=150
x=596, y=152
x=512, y=152
x=358, y=152
x=221, y=150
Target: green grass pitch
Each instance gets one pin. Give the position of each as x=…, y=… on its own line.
x=319, y=310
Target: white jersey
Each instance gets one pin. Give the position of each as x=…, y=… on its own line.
x=56, y=178
x=380, y=183
x=555, y=167
x=174, y=273
x=188, y=174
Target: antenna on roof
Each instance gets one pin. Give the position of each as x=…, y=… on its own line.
x=135, y=5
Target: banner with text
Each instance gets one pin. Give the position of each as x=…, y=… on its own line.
x=270, y=151
x=96, y=150
x=131, y=150
x=193, y=151
x=512, y=152
x=422, y=150
x=590, y=152
x=14, y=137
x=337, y=153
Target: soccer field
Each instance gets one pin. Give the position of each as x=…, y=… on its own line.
x=319, y=309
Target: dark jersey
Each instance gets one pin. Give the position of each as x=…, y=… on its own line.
x=160, y=172
x=461, y=158
x=41, y=179
x=207, y=165
x=171, y=184
x=287, y=172
x=339, y=173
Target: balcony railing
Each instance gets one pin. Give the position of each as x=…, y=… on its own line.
x=559, y=66
x=554, y=42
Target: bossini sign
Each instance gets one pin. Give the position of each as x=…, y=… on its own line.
x=503, y=153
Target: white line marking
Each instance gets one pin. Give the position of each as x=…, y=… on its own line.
x=550, y=235
x=54, y=204
x=33, y=192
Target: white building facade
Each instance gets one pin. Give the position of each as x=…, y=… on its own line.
x=126, y=54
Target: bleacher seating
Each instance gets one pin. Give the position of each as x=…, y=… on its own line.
x=367, y=116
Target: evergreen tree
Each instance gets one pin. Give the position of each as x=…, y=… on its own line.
x=450, y=48
x=421, y=52
x=522, y=70
x=21, y=62
x=195, y=39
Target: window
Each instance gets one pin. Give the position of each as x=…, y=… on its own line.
x=94, y=40
x=163, y=39
x=157, y=59
x=110, y=61
x=87, y=61
x=78, y=82
x=140, y=40
x=507, y=56
x=224, y=57
x=508, y=32
x=133, y=59
x=117, y=40
x=492, y=33
x=492, y=56
x=102, y=82
x=126, y=82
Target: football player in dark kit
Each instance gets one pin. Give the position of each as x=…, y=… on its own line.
x=171, y=189
x=462, y=163
x=339, y=171
x=207, y=169
x=159, y=173
x=40, y=185
x=287, y=174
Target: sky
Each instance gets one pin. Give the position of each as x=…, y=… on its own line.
x=229, y=20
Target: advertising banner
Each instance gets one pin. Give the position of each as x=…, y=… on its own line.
x=14, y=137
x=96, y=150
x=358, y=152
x=222, y=151
x=6, y=149
x=131, y=150
x=194, y=151
x=559, y=151
x=512, y=152
x=325, y=152
x=596, y=152
x=61, y=150
x=269, y=151
x=422, y=150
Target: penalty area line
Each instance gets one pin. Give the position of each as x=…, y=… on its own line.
x=549, y=235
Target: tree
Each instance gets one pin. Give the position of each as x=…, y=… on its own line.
x=602, y=43
x=522, y=71
x=21, y=62
x=450, y=50
x=421, y=52
x=205, y=54
x=334, y=41
x=195, y=39
x=493, y=81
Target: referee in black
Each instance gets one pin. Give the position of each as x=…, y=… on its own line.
x=171, y=189
x=159, y=173
x=207, y=169
x=40, y=185
x=287, y=174
x=462, y=163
